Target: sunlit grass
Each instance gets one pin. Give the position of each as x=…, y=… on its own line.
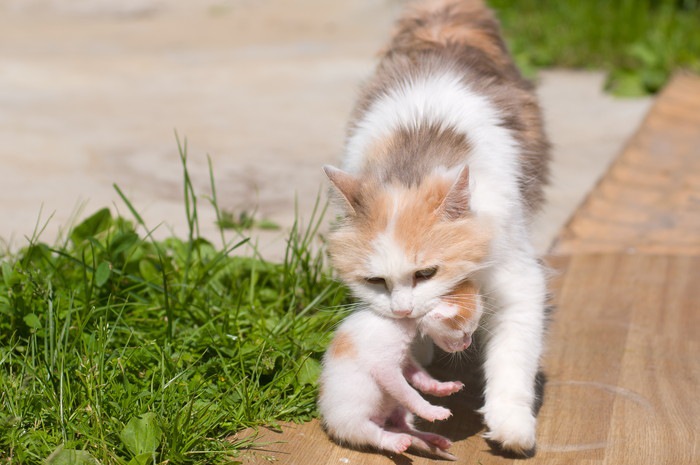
x=116, y=348
x=640, y=43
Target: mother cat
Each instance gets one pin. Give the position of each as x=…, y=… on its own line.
x=448, y=129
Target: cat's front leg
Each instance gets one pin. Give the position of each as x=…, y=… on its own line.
x=514, y=335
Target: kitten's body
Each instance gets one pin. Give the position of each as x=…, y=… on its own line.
x=365, y=398
x=443, y=169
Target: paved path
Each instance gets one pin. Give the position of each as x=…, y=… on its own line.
x=92, y=91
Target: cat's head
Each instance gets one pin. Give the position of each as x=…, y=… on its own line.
x=400, y=248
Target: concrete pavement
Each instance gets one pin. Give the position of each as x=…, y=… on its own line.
x=91, y=93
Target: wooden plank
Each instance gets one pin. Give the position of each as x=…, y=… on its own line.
x=621, y=375
x=649, y=200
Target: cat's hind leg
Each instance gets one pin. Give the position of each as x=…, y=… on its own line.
x=369, y=433
x=401, y=420
x=385, y=439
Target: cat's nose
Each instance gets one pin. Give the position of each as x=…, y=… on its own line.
x=466, y=341
x=401, y=312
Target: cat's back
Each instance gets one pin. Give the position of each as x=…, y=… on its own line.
x=445, y=67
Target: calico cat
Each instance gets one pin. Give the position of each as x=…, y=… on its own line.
x=443, y=171
x=365, y=398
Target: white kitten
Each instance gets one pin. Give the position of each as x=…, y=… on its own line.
x=365, y=398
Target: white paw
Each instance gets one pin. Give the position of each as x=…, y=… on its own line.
x=513, y=427
x=397, y=443
x=435, y=413
x=443, y=389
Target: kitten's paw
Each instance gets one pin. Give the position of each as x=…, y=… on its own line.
x=445, y=389
x=512, y=427
x=434, y=413
x=396, y=443
x=437, y=388
x=441, y=442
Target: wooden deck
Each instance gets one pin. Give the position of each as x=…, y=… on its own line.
x=622, y=369
x=649, y=200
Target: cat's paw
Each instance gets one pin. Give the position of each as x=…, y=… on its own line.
x=441, y=442
x=442, y=389
x=434, y=413
x=396, y=443
x=426, y=384
x=511, y=427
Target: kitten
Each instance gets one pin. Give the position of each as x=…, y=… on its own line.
x=452, y=323
x=365, y=398
x=443, y=170
x=364, y=383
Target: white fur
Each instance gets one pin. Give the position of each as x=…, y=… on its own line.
x=391, y=262
x=514, y=281
x=362, y=389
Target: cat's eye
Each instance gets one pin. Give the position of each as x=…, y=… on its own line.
x=376, y=280
x=426, y=273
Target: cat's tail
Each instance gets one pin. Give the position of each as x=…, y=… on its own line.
x=457, y=24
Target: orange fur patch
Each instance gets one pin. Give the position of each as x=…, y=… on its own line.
x=342, y=346
x=424, y=234
x=418, y=228
x=464, y=297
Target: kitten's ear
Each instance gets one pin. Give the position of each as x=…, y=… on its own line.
x=456, y=202
x=345, y=184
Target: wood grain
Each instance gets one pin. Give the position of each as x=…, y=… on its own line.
x=621, y=373
x=621, y=369
x=649, y=200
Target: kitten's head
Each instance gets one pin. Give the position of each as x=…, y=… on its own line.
x=451, y=324
x=399, y=248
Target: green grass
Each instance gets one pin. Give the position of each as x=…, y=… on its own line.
x=116, y=348
x=639, y=43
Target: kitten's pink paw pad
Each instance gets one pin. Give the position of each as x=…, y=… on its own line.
x=435, y=413
x=398, y=443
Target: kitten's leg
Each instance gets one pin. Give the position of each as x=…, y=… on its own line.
x=369, y=433
x=514, y=344
x=394, y=384
x=401, y=421
x=422, y=381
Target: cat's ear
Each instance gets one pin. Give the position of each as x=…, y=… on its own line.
x=345, y=184
x=457, y=201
